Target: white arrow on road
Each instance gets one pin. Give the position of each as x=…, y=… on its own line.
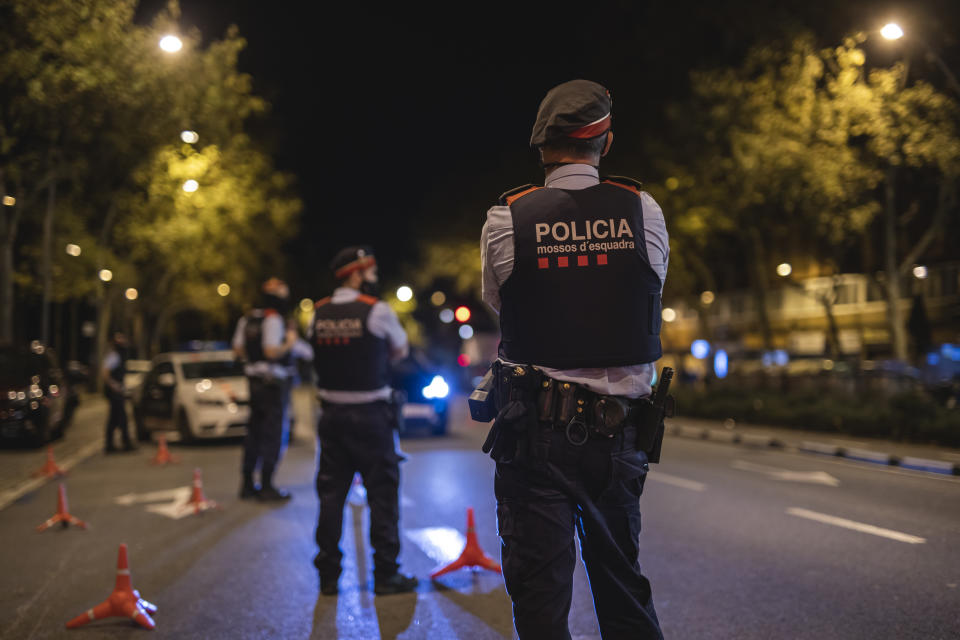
x=812, y=477
x=175, y=501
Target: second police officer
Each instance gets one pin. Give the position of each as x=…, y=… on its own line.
x=264, y=342
x=355, y=336
x=575, y=269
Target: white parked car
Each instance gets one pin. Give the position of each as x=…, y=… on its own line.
x=201, y=395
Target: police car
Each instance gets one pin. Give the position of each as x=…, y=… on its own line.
x=201, y=395
x=426, y=394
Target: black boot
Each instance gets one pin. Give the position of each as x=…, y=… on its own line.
x=397, y=583
x=270, y=493
x=249, y=489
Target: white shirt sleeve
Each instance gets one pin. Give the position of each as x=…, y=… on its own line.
x=383, y=323
x=239, y=340
x=496, y=254
x=274, y=329
x=655, y=234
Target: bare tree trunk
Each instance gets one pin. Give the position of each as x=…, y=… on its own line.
x=104, y=316
x=761, y=287
x=9, y=218
x=47, y=260
x=898, y=336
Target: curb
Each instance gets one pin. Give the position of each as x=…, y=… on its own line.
x=760, y=441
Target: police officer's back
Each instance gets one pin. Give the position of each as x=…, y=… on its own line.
x=355, y=336
x=575, y=269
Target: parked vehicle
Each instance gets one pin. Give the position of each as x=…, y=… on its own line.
x=199, y=394
x=37, y=400
x=426, y=391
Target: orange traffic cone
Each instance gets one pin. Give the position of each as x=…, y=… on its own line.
x=62, y=515
x=163, y=454
x=472, y=555
x=197, y=500
x=124, y=602
x=50, y=468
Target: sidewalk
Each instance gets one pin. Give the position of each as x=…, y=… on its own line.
x=919, y=457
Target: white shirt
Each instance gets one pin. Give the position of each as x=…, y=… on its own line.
x=496, y=257
x=381, y=322
x=273, y=330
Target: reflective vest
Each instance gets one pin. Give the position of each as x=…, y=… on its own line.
x=582, y=292
x=347, y=357
x=253, y=335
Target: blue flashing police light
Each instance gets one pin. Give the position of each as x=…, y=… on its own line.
x=438, y=388
x=781, y=358
x=700, y=349
x=933, y=358
x=720, y=363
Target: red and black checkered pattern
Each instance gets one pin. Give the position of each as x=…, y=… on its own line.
x=582, y=260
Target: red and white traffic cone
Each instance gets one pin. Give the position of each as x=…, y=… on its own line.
x=62, y=515
x=472, y=555
x=198, y=502
x=124, y=602
x=163, y=455
x=50, y=469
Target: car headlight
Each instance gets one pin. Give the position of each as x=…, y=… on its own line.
x=438, y=388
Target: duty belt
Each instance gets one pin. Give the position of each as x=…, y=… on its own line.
x=571, y=407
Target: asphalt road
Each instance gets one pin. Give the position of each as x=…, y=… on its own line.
x=738, y=543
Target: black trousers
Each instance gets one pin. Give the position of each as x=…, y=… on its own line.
x=358, y=438
x=593, y=489
x=116, y=419
x=265, y=430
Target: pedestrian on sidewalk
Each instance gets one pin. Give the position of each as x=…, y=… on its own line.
x=575, y=269
x=263, y=341
x=112, y=372
x=355, y=336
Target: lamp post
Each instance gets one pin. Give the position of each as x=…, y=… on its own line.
x=892, y=32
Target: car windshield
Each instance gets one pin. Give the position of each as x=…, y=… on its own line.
x=17, y=367
x=212, y=369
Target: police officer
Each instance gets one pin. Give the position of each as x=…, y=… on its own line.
x=575, y=269
x=354, y=337
x=263, y=341
x=113, y=371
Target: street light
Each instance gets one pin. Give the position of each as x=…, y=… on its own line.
x=9, y=201
x=106, y=275
x=920, y=272
x=891, y=31
x=190, y=137
x=223, y=289
x=707, y=297
x=171, y=43
x=131, y=293
x=784, y=269
x=668, y=314
x=404, y=293
x=73, y=250
x=190, y=186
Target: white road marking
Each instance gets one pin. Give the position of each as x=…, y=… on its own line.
x=12, y=495
x=683, y=483
x=174, y=509
x=856, y=526
x=813, y=477
x=441, y=544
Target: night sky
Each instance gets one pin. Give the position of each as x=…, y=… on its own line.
x=401, y=122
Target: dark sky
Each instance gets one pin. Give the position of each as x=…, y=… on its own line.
x=401, y=122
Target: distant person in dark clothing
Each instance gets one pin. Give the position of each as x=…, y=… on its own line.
x=113, y=371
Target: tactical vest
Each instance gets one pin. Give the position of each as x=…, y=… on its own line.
x=347, y=357
x=582, y=292
x=253, y=335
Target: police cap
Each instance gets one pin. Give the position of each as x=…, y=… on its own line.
x=351, y=259
x=578, y=109
x=276, y=287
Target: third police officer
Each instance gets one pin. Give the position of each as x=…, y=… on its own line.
x=355, y=336
x=575, y=269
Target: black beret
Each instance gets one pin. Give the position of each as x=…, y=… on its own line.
x=579, y=109
x=352, y=259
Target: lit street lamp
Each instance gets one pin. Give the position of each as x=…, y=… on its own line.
x=404, y=293
x=106, y=275
x=784, y=269
x=190, y=186
x=223, y=289
x=190, y=137
x=9, y=201
x=891, y=31
x=171, y=43
x=131, y=293
x=73, y=250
